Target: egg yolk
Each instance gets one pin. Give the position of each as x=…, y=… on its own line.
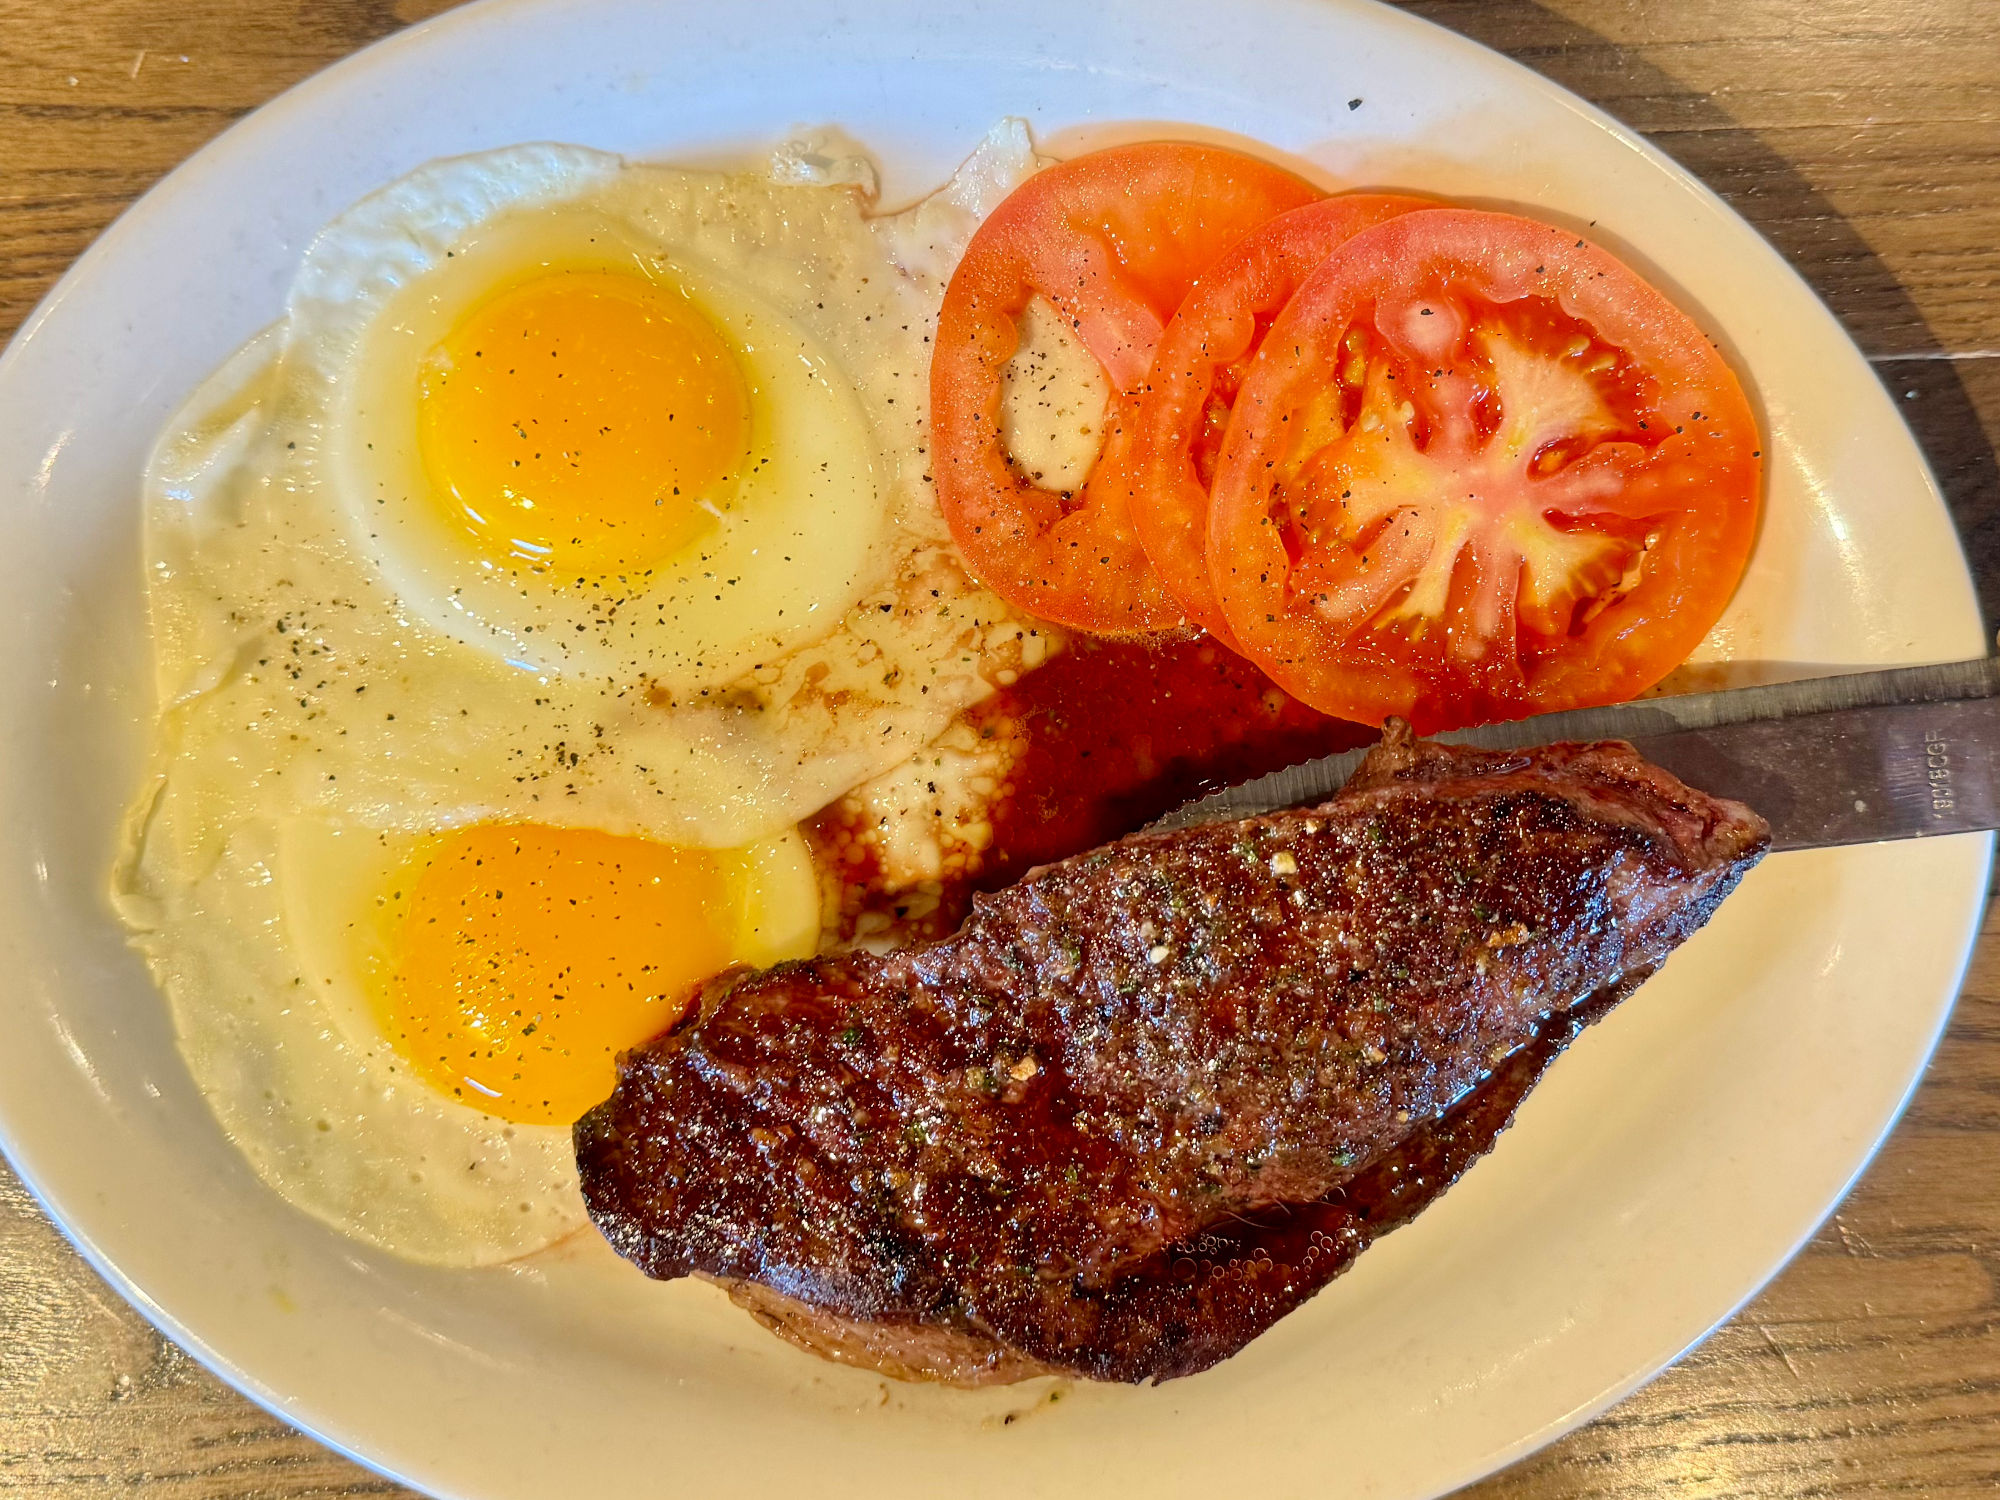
x=526, y=958
x=583, y=419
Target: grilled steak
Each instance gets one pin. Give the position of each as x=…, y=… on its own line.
x=1150, y=1099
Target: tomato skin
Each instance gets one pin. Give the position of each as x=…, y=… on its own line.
x=1384, y=573
x=1114, y=240
x=1217, y=327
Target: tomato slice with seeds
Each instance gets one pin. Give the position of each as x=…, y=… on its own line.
x=1113, y=240
x=1478, y=470
x=1177, y=424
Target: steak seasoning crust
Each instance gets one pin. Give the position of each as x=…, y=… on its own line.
x=1149, y=1100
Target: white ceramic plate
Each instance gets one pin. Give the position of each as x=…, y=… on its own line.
x=1663, y=1171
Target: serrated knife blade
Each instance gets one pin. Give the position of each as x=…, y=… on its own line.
x=1852, y=759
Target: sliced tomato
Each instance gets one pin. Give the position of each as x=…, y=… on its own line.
x=1114, y=240
x=1478, y=470
x=1177, y=424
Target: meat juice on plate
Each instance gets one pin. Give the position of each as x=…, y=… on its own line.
x=1099, y=741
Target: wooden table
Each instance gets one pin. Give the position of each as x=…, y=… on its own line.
x=1861, y=136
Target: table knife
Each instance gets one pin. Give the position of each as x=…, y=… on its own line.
x=1852, y=759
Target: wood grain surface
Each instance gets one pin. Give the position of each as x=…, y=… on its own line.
x=1861, y=136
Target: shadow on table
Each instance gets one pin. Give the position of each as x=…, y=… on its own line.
x=1761, y=184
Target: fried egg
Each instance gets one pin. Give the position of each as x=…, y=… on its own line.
x=514, y=598
x=397, y=1030
x=624, y=458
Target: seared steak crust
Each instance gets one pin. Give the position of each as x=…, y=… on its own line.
x=1196, y=1303
x=1147, y=1101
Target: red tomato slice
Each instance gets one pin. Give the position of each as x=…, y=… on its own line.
x=1114, y=240
x=1176, y=426
x=1478, y=470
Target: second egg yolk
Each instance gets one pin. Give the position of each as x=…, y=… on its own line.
x=526, y=958
x=588, y=420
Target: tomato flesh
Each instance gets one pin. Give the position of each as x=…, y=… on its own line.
x=1177, y=424
x=1113, y=240
x=1478, y=470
